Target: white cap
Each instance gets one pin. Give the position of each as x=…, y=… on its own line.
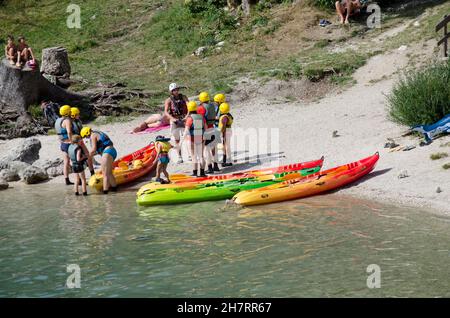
x=173, y=86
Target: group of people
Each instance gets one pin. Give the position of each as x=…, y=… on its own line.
x=71, y=132
x=19, y=54
x=202, y=124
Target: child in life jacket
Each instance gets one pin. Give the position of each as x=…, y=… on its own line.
x=225, y=123
x=162, y=147
x=78, y=160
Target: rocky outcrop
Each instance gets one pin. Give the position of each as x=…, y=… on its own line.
x=9, y=175
x=3, y=185
x=55, y=61
x=18, y=167
x=27, y=151
x=32, y=175
x=53, y=168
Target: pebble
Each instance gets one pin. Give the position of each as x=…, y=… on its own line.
x=403, y=174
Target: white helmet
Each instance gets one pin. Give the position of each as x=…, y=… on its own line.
x=173, y=86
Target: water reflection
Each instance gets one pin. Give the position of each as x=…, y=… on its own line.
x=319, y=246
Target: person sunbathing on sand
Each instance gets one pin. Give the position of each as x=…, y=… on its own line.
x=11, y=50
x=24, y=52
x=155, y=120
x=346, y=8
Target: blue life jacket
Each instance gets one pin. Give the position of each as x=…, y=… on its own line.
x=103, y=142
x=73, y=149
x=76, y=126
x=60, y=130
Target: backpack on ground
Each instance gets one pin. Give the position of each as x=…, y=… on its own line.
x=51, y=113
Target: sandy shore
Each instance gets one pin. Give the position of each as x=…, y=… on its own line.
x=305, y=131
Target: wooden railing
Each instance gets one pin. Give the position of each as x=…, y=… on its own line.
x=444, y=40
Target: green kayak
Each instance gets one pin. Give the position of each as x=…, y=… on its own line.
x=208, y=192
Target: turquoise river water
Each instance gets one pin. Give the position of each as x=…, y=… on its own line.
x=318, y=247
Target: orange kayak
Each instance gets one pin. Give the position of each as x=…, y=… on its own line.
x=129, y=168
x=182, y=178
x=317, y=183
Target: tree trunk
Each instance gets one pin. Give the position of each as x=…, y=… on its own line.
x=20, y=88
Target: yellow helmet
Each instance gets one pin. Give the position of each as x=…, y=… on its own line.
x=224, y=108
x=85, y=132
x=220, y=98
x=203, y=97
x=74, y=112
x=64, y=111
x=192, y=106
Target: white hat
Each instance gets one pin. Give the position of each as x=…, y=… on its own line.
x=173, y=86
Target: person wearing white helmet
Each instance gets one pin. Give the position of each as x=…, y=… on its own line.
x=175, y=108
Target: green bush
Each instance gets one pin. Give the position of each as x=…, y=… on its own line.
x=421, y=97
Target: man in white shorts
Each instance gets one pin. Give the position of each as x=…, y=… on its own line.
x=175, y=108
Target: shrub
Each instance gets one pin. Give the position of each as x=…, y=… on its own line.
x=421, y=97
x=439, y=155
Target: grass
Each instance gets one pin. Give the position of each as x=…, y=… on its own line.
x=446, y=166
x=148, y=44
x=36, y=111
x=439, y=155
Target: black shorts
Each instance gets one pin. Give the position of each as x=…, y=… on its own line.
x=78, y=167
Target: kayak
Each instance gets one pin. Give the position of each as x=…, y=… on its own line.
x=311, y=185
x=129, y=168
x=247, y=178
x=179, y=178
x=212, y=191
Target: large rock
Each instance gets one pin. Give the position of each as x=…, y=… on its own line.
x=27, y=151
x=3, y=185
x=9, y=175
x=55, y=61
x=18, y=167
x=33, y=175
x=53, y=167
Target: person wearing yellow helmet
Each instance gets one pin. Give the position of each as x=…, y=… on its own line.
x=194, y=129
x=102, y=145
x=175, y=109
x=225, y=122
x=218, y=100
x=162, y=147
x=209, y=110
x=63, y=128
x=77, y=126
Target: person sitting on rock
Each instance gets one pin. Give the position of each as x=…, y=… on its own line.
x=11, y=50
x=24, y=52
x=346, y=8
